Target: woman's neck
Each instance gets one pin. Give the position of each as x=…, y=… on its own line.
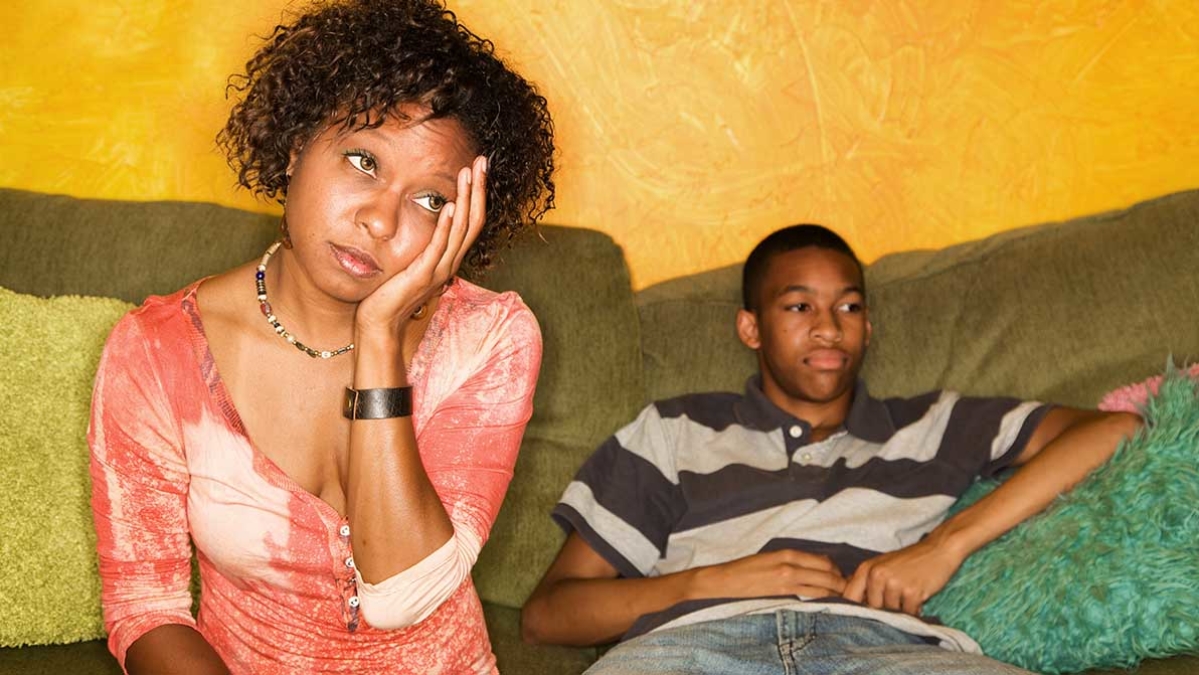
x=322, y=321
x=311, y=315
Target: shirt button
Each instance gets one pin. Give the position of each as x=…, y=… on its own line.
x=353, y=601
x=345, y=530
x=806, y=457
x=795, y=431
x=350, y=562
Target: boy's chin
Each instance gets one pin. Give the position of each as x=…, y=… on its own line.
x=823, y=393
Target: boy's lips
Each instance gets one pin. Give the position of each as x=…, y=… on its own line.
x=355, y=262
x=826, y=359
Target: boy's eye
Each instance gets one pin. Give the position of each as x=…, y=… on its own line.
x=432, y=203
x=799, y=307
x=362, y=161
x=851, y=307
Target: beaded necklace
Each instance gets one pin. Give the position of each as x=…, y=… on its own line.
x=260, y=282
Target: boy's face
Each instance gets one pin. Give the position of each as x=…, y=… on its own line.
x=810, y=329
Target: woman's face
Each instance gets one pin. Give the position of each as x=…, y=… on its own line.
x=362, y=205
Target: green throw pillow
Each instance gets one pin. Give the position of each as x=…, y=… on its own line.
x=49, y=349
x=1109, y=574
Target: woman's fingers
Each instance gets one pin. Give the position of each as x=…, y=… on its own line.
x=478, y=208
x=433, y=265
x=457, y=228
x=458, y=225
x=427, y=265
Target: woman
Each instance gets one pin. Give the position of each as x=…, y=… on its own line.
x=335, y=425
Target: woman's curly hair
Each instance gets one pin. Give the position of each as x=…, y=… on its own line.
x=354, y=62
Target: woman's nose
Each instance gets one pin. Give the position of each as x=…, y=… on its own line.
x=380, y=215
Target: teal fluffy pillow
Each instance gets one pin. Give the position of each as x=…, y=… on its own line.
x=49, y=349
x=1109, y=574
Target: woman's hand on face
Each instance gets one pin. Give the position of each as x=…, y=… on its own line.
x=391, y=305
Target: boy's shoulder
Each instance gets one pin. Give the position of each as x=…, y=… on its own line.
x=715, y=409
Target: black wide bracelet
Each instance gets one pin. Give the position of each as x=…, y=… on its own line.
x=377, y=404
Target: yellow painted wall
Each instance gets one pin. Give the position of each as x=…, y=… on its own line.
x=687, y=129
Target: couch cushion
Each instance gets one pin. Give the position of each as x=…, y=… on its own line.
x=688, y=336
x=1106, y=576
x=57, y=245
x=524, y=540
x=512, y=655
x=1061, y=312
x=81, y=658
x=577, y=285
x=49, y=586
x=576, y=282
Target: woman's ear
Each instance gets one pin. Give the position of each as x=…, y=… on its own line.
x=747, y=329
x=293, y=159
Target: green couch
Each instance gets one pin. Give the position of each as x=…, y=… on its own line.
x=1061, y=312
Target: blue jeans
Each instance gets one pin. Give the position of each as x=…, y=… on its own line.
x=789, y=643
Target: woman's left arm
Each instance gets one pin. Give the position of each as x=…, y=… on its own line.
x=420, y=509
x=419, y=518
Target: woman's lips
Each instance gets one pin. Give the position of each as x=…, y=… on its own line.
x=356, y=263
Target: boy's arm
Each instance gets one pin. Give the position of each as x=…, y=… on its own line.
x=581, y=601
x=1067, y=445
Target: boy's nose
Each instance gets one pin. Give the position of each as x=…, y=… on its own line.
x=827, y=327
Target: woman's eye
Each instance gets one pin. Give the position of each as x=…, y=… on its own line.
x=363, y=162
x=432, y=203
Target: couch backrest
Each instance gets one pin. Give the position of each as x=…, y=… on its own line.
x=1060, y=312
x=59, y=245
x=575, y=280
x=577, y=284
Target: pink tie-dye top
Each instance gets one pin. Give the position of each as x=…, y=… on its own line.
x=172, y=464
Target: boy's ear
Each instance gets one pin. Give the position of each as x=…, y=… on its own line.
x=869, y=331
x=747, y=329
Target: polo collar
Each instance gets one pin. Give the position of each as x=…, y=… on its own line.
x=868, y=417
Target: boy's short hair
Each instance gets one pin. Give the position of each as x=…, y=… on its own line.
x=783, y=241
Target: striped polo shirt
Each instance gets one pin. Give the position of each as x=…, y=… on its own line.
x=709, y=478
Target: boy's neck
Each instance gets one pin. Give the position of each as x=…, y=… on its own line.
x=824, y=417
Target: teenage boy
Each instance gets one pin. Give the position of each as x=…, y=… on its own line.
x=799, y=527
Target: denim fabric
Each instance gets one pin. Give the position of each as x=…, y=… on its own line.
x=788, y=643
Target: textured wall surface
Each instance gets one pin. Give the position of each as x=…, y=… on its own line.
x=687, y=129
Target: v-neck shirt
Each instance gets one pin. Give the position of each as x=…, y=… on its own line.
x=172, y=464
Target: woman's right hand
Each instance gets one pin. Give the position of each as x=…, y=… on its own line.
x=385, y=311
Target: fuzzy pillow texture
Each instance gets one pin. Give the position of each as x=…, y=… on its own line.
x=49, y=584
x=1109, y=574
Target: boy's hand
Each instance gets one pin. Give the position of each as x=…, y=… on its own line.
x=903, y=580
x=784, y=572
